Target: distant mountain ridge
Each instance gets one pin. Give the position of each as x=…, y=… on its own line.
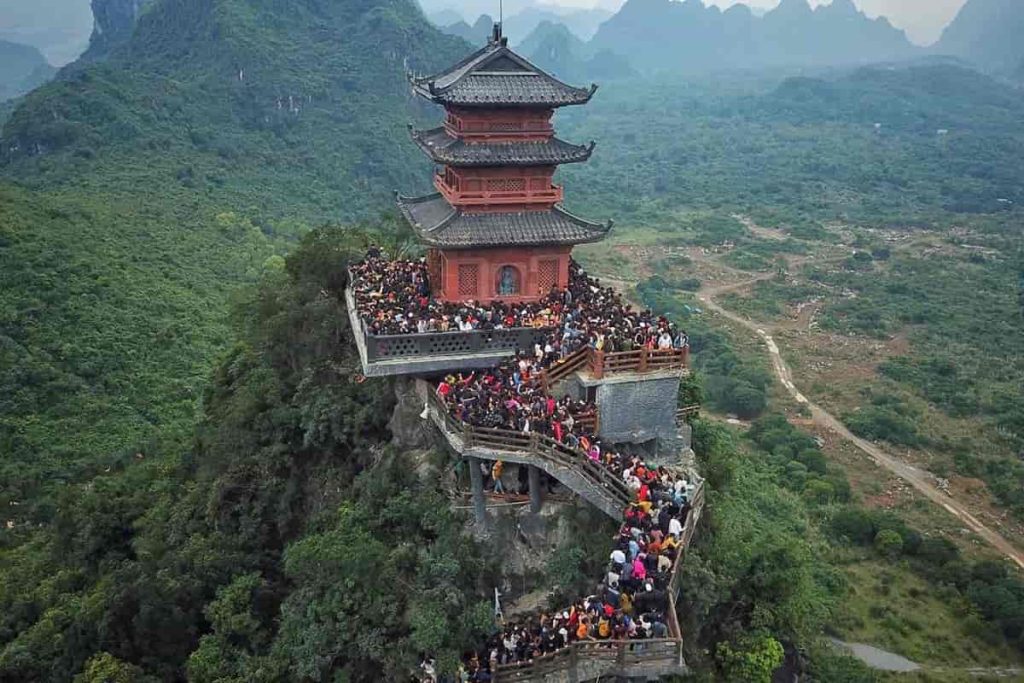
x=665, y=35
x=989, y=33
x=582, y=24
x=554, y=48
x=22, y=68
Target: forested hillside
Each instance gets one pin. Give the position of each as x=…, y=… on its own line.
x=137, y=193
x=908, y=145
x=223, y=561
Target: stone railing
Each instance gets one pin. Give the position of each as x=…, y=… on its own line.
x=596, y=659
x=391, y=346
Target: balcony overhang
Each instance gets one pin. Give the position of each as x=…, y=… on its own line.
x=431, y=353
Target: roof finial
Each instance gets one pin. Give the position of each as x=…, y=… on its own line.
x=496, y=37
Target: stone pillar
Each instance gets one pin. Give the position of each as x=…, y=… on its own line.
x=476, y=480
x=535, y=491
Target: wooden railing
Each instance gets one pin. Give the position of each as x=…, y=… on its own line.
x=599, y=363
x=590, y=421
x=687, y=411
x=564, y=367
x=638, y=360
x=689, y=527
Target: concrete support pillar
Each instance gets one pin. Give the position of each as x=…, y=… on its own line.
x=535, y=490
x=476, y=480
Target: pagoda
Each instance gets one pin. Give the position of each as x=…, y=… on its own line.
x=496, y=228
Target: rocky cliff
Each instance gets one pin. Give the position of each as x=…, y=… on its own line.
x=113, y=24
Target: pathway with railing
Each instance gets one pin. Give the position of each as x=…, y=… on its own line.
x=594, y=483
x=586, y=660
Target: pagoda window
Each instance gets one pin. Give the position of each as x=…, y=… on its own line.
x=509, y=281
x=469, y=279
x=547, y=275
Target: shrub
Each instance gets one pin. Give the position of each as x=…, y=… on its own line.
x=889, y=543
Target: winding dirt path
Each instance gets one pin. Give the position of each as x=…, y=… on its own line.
x=917, y=478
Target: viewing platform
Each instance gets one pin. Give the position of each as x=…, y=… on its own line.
x=433, y=352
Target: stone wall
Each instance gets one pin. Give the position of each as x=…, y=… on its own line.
x=634, y=408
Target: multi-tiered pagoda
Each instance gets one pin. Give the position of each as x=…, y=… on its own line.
x=496, y=228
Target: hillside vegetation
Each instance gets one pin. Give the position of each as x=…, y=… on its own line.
x=138, y=193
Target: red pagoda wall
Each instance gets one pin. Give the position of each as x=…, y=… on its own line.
x=498, y=188
x=474, y=274
x=499, y=125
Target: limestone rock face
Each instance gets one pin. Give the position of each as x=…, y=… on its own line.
x=113, y=23
x=408, y=429
x=527, y=543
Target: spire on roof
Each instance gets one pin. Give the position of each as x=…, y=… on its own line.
x=496, y=37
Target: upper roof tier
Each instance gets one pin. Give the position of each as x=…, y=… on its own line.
x=446, y=149
x=439, y=224
x=495, y=76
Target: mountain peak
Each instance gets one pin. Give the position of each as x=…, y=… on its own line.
x=793, y=6
x=843, y=7
x=987, y=32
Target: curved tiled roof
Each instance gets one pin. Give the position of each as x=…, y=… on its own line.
x=445, y=149
x=495, y=75
x=439, y=224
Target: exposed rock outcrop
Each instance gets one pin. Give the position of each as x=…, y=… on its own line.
x=113, y=24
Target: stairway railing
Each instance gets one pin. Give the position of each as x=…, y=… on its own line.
x=606, y=656
x=563, y=368
x=539, y=446
x=598, y=658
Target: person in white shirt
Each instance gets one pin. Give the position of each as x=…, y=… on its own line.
x=675, y=527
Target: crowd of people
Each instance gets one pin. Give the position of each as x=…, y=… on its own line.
x=393, y=297
x=631, y=600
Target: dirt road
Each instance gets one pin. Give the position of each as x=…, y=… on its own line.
x=922, y=481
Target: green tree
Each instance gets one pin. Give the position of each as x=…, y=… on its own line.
x=752, y=659
x=106, y=668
